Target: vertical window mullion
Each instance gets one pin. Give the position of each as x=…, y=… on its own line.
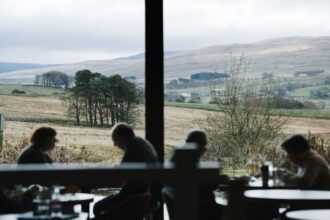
x=154, y=75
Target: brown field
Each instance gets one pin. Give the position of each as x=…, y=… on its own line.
x=178, y=121
x=32, y=107
x=94, y=144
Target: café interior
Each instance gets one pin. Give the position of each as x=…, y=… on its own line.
x=241, y=198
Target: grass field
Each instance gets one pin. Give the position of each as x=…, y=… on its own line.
x=23, y=114
x=305, y=92
x=6, y=89
x=259, y=83
x=22, y=108
x=301, y=95
x=310, y=113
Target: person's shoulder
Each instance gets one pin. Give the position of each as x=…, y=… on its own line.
x=26, y=151
x=145, y=147
x=315, y=155
x=29, y=154
x=141, y=141
x=316, y=159
x=28, y=147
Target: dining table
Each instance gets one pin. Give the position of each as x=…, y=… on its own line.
x=255, y=183
x=312, y=214
x=270, y=203
x=288, y=196
x=70, y=200
x=30, y=216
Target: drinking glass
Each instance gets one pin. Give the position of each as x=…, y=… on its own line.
x=270, y=167
x=56, y=205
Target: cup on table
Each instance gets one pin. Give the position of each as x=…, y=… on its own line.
x=276, y=179
x=270, y=167
x=43, y=207
x=264, y=175
x=280, y=174
x=266, y=172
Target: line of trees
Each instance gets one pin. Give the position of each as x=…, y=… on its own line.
x=99, y=100
x=53, y=79
x=208, y=76
x=182, y=83
x=320, y=93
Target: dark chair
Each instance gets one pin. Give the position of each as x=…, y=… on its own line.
x=168, y=198
x=155, y=202
x=153, y=207
x=131, y=208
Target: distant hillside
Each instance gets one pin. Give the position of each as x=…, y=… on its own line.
x=8, y=67
x=141, y=56
x=282, y=56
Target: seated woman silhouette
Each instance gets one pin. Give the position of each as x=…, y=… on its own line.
x=42, y=141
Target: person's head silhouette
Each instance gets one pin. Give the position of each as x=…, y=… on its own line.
x=198, y=137
x=296, y=147
x=44, y=138
x=122, y=133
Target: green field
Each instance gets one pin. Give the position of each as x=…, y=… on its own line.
x=259, y=83
x=6, y=89
x=305, y=92
x=202, y=89
x=308, y=113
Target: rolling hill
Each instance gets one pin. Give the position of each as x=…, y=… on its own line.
x=8, y=67
x=282, y=56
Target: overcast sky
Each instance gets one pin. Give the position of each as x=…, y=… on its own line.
x=65, y=31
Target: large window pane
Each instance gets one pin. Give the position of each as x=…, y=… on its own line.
x=275, y=53
x=43, y=41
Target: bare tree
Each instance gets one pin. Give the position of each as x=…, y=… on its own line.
x=245, y=129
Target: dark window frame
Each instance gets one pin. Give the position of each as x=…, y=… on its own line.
x=154, y=80
x=154, y=75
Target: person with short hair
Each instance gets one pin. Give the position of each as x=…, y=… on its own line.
x=313, y=173
x=198, y=137
x=208, y=207
x=42, y=141
x=136, y=149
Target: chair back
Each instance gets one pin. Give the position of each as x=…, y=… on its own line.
x=132, y=208
x=168, y=198
x=156, y=200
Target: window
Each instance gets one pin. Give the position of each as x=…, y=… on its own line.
x=43, y=46
x=275, y=52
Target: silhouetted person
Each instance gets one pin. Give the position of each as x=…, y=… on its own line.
x=42, y=141
x=313, y=173
x=135, y=149
x=208, y=208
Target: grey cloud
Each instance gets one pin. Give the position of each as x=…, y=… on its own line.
x=88, y=29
